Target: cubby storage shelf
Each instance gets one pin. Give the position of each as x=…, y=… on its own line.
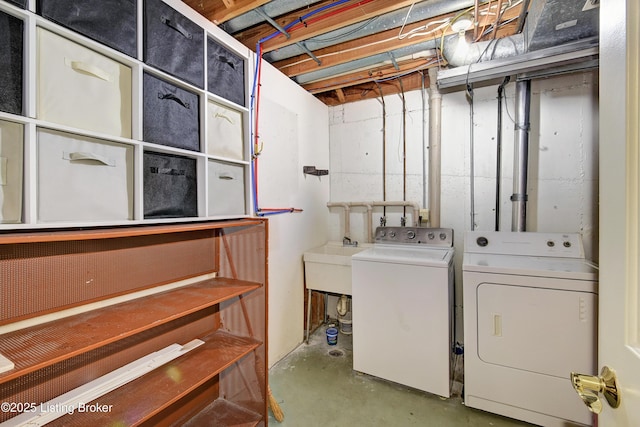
x=140, y=400
x=220, y=125
x=51, y=342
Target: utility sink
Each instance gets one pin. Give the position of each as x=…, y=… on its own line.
x=327, y=268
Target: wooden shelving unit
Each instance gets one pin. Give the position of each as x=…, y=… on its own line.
x=62, y=347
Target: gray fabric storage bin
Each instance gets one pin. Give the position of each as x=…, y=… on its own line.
x=226, y=189
x=173, y=43
x=170, y=115
x=83, y=179
x=170, y=186
x=110, y=22
x=20, y=3
x=225, y=73
x=11, y=66
x=11, y=164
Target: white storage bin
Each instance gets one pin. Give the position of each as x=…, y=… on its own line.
x=226, y=189
x=225, y=132
x=11, y=143
x=81, y=88
x=83, y=179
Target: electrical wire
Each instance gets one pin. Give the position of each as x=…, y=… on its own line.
x=499, y=153
x=406, y=18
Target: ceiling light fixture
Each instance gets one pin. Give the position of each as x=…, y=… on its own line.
x=462, y=23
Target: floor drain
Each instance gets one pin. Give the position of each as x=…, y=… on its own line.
x=336, y=353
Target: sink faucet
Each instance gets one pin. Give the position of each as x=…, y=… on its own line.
x=347, y=242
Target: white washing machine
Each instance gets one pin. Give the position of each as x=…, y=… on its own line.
x=530, y=318
x=402, y=307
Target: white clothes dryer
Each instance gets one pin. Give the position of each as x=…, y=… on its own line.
x=402, y=307
x=530, y=304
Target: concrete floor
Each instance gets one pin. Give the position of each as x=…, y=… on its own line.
x=315, y=385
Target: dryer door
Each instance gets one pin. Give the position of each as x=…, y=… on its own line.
x=547, y=331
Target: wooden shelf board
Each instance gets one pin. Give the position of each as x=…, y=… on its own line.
x=30, y=236
x=141, y=399
x=40, y=346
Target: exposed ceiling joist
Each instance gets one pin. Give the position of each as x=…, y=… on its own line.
x=373, y=90
x=374, y=44
x=224, y=10
x=348, y=13
x=345, y=50
x=364, y=76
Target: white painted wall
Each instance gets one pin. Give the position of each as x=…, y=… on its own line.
x=294, y=132
x=563, y=176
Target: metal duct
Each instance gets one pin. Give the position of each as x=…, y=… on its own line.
x=482, y=51
x=521, y=156
x=415, y=52
x=560, y=36
x=570, y=57
x=555, y=22
x=421, y=11
x=273, y=9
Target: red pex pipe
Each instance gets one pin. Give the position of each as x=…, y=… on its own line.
x=328, y=15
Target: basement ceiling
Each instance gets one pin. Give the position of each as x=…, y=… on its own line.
x=346, y=50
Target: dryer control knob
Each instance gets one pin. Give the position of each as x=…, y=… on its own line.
x=482, y=241
x=411, y=234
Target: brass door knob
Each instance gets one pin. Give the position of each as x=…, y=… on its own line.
x=588, y=387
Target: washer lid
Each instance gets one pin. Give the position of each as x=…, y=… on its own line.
x=424, y=256
x=562, y=268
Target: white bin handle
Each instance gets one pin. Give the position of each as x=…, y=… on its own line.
x=86, y=68
x=84, y=155
x=224, y=117
x=225, y=176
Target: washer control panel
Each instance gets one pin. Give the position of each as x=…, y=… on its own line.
x=564, y=245
x=415, y=235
